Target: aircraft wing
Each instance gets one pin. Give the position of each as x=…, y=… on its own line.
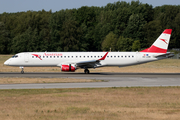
x=90, y=63
x=86, y=64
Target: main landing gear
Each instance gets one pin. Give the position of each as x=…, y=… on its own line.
x=22, y=70
x=86, y=71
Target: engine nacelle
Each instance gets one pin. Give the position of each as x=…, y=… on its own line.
x=69, y=67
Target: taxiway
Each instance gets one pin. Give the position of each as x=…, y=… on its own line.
x=110, y=80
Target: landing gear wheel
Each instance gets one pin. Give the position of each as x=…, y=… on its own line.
x=86, y=71
x=22, y=70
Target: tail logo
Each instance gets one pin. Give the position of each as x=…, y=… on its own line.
x=164, y=40
x=38, y=56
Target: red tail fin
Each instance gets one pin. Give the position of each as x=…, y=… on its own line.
x=161, y=44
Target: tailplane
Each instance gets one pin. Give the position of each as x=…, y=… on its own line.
x=161, y=44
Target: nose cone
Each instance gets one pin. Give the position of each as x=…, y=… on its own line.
x=6, y=62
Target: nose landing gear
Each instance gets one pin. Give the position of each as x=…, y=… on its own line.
x=22, y=69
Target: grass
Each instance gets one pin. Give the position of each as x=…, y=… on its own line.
x=44, y=80
x=154, y=103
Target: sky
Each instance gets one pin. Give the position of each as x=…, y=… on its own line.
x=13, y=6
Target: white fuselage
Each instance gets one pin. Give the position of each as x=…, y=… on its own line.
x=51, y=59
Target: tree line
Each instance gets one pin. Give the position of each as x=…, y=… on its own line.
x=120, y=26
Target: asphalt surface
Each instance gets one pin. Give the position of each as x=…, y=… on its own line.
x=110, y=80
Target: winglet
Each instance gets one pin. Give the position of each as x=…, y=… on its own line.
x=103, y=56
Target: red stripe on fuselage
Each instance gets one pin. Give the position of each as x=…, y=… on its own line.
x=154, y=49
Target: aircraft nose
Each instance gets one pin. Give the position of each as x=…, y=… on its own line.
x=6, y=62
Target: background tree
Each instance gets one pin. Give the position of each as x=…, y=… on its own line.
x=136, y=45
x=124, y=44
x=109, y=42
x=87, y=28
x=4, y=39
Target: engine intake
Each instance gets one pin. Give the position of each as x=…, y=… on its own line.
x=69, y=67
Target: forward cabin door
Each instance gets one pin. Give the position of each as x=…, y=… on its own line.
x=26, y=57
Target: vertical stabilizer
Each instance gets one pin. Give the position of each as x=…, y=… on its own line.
x=161, y=44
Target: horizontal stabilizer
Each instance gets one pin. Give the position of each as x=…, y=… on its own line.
x=167, y=55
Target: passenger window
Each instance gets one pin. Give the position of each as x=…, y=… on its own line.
x=46, y=56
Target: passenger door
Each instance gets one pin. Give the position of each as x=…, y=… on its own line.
x=26, y=57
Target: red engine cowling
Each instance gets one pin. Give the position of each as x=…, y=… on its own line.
x=69, y=67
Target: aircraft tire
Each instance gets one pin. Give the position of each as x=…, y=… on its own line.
x=22, y=72
x=86, y=71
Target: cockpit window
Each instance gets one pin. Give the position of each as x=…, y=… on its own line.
x=15, y=56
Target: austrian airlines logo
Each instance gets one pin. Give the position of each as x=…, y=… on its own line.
x=164, y=40
x=38, y=56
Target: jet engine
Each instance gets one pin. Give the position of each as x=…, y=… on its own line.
x=69, y=67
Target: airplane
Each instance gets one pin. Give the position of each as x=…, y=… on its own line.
x=71, y=61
